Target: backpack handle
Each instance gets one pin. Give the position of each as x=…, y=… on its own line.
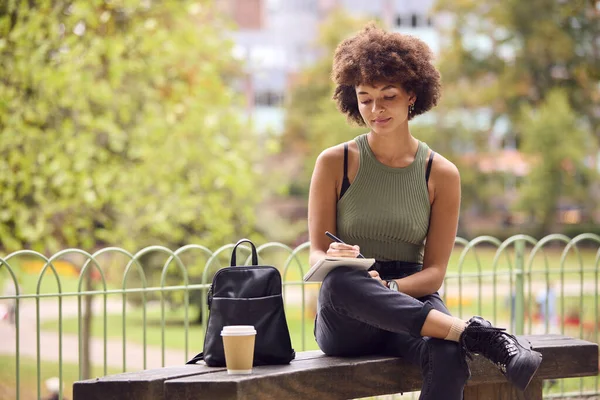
x=254, y=254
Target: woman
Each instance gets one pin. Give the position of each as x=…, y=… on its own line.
x=387, y=195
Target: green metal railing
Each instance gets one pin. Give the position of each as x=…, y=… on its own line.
x=508, y=282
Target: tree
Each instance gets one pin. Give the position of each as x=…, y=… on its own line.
x=118, y=127
x=552, y=130
x=520, y=52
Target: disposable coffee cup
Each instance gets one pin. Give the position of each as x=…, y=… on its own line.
x=238, y=342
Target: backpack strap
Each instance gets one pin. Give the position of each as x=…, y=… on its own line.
x=254, y=254
x=197, y=357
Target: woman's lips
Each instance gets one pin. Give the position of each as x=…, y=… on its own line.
x=381, y=121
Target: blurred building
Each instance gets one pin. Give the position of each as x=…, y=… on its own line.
x=275, y=39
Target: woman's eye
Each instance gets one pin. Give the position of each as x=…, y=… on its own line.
x=385, y=98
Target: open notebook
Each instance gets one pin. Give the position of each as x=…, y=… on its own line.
x=319, y=271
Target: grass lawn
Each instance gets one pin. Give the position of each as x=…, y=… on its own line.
x=175, y=333
x=174, y=330
x=573, y=385
x=28, y=377
x=481, y=259
x=28, y=282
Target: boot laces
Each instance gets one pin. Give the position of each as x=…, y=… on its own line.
x=493, y=343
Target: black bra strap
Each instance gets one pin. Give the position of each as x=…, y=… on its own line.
x=345, y=181
x=429, y=166
x=345, y=161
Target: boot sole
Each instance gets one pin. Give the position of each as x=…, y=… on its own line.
x=525, y=374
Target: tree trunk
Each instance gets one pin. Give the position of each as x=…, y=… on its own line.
x=549, y=213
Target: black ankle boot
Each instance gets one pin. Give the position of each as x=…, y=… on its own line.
x=513, y=356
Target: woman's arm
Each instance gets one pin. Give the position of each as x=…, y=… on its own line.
x=322, y=205
x=443, y=224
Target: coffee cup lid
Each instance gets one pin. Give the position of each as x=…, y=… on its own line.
x=238, y=330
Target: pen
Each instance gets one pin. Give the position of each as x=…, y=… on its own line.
x=337, y=239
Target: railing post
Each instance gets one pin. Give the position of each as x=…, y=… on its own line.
x=519, y=290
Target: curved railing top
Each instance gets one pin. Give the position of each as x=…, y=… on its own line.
x=292, y=256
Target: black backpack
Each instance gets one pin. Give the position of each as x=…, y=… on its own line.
x=247, y=295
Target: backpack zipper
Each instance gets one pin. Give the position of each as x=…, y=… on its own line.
x=211, y=290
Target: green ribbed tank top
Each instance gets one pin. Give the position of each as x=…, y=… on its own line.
x=386, y=210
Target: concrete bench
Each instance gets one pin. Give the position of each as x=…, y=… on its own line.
x=314, y=375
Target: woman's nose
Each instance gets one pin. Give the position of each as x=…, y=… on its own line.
x=376, y=106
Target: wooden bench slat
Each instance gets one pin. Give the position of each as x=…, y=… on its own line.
x=325, y=378
x=315, y=375
x=148, y=384
x=343, y=378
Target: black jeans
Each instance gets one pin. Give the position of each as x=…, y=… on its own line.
x=356, y=315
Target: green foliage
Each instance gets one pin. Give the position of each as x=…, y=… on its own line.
x=551, y=134
x=312, y=121
x=578, y=229
x=513, y=55
x=117, y=126
x=450, y=139
x=519, y=51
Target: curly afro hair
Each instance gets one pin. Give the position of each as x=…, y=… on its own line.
x=374, y=55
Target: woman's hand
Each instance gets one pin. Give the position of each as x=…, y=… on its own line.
x=346, y=250
x=375, y=275
x=343, y=250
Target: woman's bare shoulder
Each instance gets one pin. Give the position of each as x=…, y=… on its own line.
x=444, y=169
x=331, y=156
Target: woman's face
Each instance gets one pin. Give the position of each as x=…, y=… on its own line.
x=383, y=106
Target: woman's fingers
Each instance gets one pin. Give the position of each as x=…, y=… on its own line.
x=343, y=250
x=343, y=246
x=338, y=253
x=375, y=275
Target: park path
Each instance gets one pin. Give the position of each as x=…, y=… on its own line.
x=49, y=340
